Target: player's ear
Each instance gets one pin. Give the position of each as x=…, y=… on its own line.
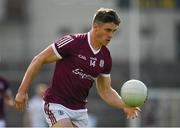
x=95, y=26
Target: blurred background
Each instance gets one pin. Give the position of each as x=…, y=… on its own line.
x=146, y=47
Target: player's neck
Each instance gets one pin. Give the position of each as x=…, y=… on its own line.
x=94, y=42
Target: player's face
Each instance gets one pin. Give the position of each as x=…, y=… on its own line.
x=104, y=32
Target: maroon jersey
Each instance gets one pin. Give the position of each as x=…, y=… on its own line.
x=76, y=70
x=3, y=88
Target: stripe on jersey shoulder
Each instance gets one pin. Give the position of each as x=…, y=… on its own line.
x=105, y=75
x=65, y=40
x=55, y=51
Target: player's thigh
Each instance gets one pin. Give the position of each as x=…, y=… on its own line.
x=63, y=123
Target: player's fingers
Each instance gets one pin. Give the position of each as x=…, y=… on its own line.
x=136, y=114
x=20, y=107
x=129, y=115
x=23, y=106
x=133, y=115
x=17, y=104
x=137, y=108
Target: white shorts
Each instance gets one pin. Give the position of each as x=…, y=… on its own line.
x=55, y=112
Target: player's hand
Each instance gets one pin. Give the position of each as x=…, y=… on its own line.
x=132, y=112
x=21, y=101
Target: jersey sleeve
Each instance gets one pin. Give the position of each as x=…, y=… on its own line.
x=108, y=67
x=63, y=46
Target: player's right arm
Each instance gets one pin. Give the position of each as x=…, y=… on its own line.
x=45, y=57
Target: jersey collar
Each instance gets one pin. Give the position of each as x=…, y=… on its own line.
x=89, y=42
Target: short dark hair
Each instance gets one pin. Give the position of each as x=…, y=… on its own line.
x=106, y=15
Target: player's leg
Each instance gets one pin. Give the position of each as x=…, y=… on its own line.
x=63, y=123
x=80, y=123
x=79, y=118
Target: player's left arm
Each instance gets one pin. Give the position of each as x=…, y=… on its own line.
x=111, y=97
